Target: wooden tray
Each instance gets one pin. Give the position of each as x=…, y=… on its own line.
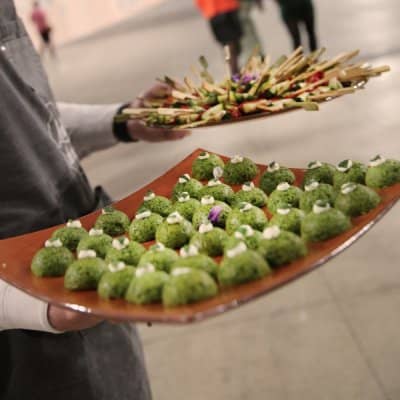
x=16, y=254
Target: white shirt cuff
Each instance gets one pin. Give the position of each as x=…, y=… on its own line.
x=18, y=310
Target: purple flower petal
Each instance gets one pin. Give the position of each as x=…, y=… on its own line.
x=236, y=78
x=214, y=214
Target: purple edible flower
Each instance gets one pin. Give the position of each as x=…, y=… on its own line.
x=214, y=214
x=247, y=78
x=244, y=79
x=236, y=78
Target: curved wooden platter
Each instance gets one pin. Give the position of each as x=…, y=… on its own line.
x=16, y=254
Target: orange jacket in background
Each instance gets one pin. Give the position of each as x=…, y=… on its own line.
x=211, y=8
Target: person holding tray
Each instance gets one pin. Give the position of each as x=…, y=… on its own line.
x=48, y=352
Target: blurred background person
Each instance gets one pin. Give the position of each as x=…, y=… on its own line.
x=40, y=20
x=250, y=38
x=223, y=16
x=295, y=13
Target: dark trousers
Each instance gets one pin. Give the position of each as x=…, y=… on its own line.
x=293, y=25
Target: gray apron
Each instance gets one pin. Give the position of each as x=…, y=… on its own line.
x=42, y=184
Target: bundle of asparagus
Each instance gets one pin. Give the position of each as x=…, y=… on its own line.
x=261, y=87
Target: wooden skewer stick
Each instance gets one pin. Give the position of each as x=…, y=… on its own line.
x=379, y=70
x=289, y=60
x=227, y=52
x=332, y=94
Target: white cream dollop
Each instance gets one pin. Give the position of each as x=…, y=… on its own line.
x=189, y=251
x=120, y=244
x=184, y=197
x=115, y=267
x=311, y=186
x=174, y=218
x=158, y=247
x=244, y=231
x=207, y=200
x=184, y=178
x=283, y=211
x=246, y=207
x=319, y=208
x=180, y=271
x=271, y=232
x=378, y=160
x=87, y=254
x=314, y=164
x=239, y=249
x=95, y=232
x=218, y=172
x=273, y=166
x=348, y=187
x=282, y=187
x=214, y=182
x=53, y=243
x=204, y=156
x=346, y=167
x=146, y=269
x=204, y=228
x=149, y=196
x=236, y=159
x=248, y=187
x=143, y=215
x=74, y=224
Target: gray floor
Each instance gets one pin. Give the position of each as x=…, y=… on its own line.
x=333, y=335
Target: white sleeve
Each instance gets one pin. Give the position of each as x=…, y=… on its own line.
x=21, y=311
x=89, y=126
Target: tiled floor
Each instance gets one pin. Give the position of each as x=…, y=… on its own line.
x=334, y=334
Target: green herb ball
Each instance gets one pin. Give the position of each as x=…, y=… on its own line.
x=349, y=171
x=187, y=184
x=320, y=172
x=246, y=234
x=198, y=261
x=156, y=204
x=250, y=194
x=51, y=261
x=144, y=229
x=283, y=195
x=219, y=191
x=84, y=274
x=147, y=288
x=328, y=224
x=317, y=191
x=288, y=219
x=113, y=284
x=282, y=248
x=161, y=257
x=382, y=175
x=70, y=236
x=188, y=285
x=274, y=175
x=175, y=231
x=203, y=166
x=239, y=170
x=186, y=206
x=99, y=243
x=246, y=214
x=113, y=222
x=201, y=215
x=130, y=254
x=355, y=199
x=211, y=242
x=244, y=267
